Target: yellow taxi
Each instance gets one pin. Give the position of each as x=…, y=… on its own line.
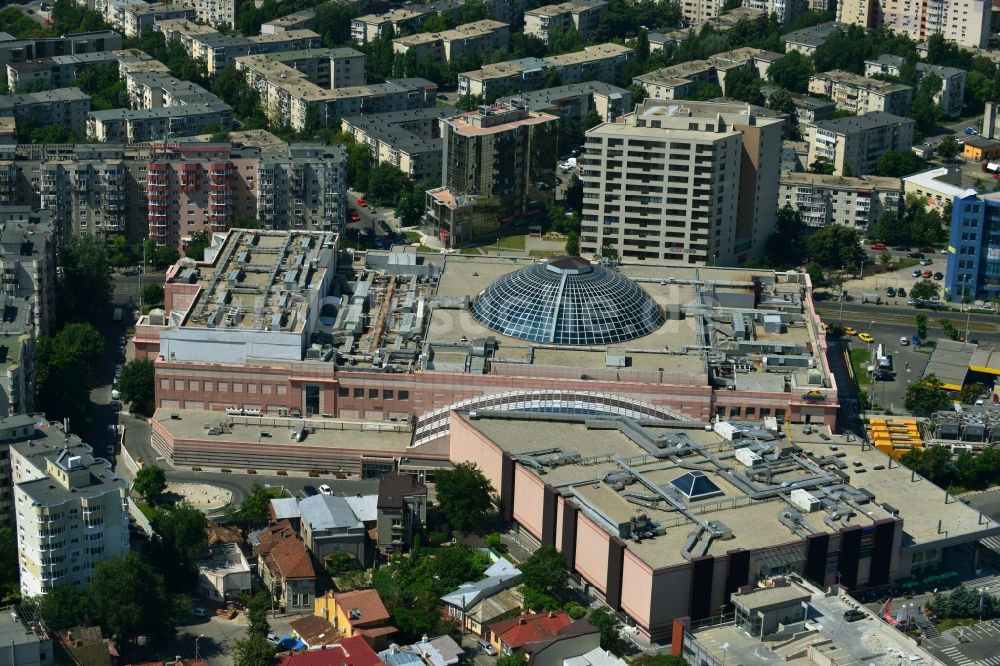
x=864, y=337
x=849, y=330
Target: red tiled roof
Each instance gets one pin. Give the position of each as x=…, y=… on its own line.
x=290, y=557
x=271, y=536
x=368, y=602
x=528, y=628
x=315, y=631
x=375, y=632
x=352, y=652
x=393, y=487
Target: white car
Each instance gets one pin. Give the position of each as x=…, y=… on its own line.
x=115, y=394
x=325, y=490
x=904, y=341
x=199, y=612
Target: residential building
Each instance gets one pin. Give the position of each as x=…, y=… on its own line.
x=936, y=187
x=785, y=10
x=329, y=525
x=462, y=603
x=408, y=140
x=66, y=107
x=70, y=510
x=304, y=19
x=437, y=651
x=510, y=12
x=857, y=203
x=224, y=575
x=315, y=633
x=680, y=81
x=17, y=351
x=580, y=637
x=285, y=566
x=402, y=510
x=133, y=18
x=576, y=100
x=458, y=42
x=695, y=182
x=358, y=613
x=28, y=262
x=21, y=50
x=303, y=187
x=510, y=636
x=854, y=144
x=580, y=15
x=600, y=62
x=327, y=68
x=859, y=94
x=217, y=12
x=54, y=71
x=973, y=251
x=991, y=121
x=25, y=638
x=698, y=11
x=493, y=156
x=145, y=125
x=807, y=40
x=951, y=96
x=753, y=545
x=719, y=23
x=808, y=109
x=980, y=149
x=348, y=652
x=402, y=20
x=218, y=50
x=963, y=22
x=13, y=428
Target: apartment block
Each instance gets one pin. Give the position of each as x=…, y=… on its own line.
x=450, y=44
x=855, y=144
x=216, y=12
x=600, y=62
x=964, y=22
x=859, y=94
x=991, y=121
x=54, y=71
x=680, y=81
x=492, y=157
x=411, y=141
x=289, y=95
x=70, y=509
x=16, y=428
x=807, y=40
x=218, y=50
x=853, y=202
x=699, y=11
x=300, y=20
x=20, y=50
x=785, y=10
x=510, y=12
x=28, y=270
x=581, y=15
x=124, y=125
x=974, y=248
x=67, y=107
x=578, y=99
x=695, y=182
x=951, y=96
x=808, y=109
x=328, y=68
x=402, y=20
x=133, y=18
x=719, y=23
x=17, y=352
x=303, y=187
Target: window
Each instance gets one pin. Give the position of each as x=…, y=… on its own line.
x=387, y=395
x=373, y=394
x=404, y=395
x=343, y=392
x=359, y=393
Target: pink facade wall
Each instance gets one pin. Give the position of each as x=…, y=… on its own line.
x=637, y=581
x=469, y=445
x=560, y=515
x=529, y=494
x=592, y=552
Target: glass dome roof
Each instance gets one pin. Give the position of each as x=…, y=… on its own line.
x=567, y=301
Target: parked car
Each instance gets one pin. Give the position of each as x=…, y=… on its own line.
x=362, y=202
x=486, y=647
x=901, y=248
x=901, y=292
x=325, y=490
x=865, y=337
x=849, y=330
x=926, y=262
x=927, y=248
x=971, y=131
x=854, y=615
x=915, y=255
x=310, y=490
x=199, y=612
x=927, y=274
x=385, y=226
x=915, y=340
x=879, y=246
x=939, y=275
x=916, y=273
x=904, y=341
x=272, y=638
x=355, y=217
x=890, y=291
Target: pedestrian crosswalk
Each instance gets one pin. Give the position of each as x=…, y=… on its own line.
x=973, y=639
x=955, y=656
x=989, y=661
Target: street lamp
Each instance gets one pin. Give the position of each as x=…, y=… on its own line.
x=725, y=651
x=196, y=653
x=982, y=594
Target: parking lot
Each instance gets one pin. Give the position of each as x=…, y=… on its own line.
x=972, y=646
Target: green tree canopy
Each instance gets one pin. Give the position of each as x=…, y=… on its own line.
x=947, y=148
x=137, y=385
x=130, y=599
x=9, y=580
x=254, y=510
x=741, y=84
x=792, y=72
x=465, y=495
x=65, y=606
x=608, y=625
x=181, y=528
x=150, y=482
x=152, y=294
x=385, y=184
x=897, y=164
x=926, y=396
x=84, y=288
x=925, y=290
x=545, y=570
x=195, y=248
x=834, y=246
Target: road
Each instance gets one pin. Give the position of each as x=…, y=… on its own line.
x=33, y=10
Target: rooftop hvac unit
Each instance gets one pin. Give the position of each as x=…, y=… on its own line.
x=804, y=501
x=747, y=457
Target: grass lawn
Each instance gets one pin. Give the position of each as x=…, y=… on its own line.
x=860, y=359
x=413, y=236
x=952, y=622
x=471, y=250
x=545, y=254
x=907, y=262
x=275, y=492
x=146, y=509
x=429, y=250
x=512, y=242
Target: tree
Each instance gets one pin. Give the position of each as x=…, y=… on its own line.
x=181, y=528
x=931, y=462
x=608, y=625
x=61, y=382
x=254, y=510
x=84, y=285
x=885, y=257
x=897, y=164
x=923, y=109
x=8, y=566
x=129, y=597
x=137, y=385
x=257, y=607
x=545, y=570
x=792, y=72
x=150, y=482
x=741, y=84
x=511, y=660
x=573, y=244
x=822, y=165
x=948, y=328
x=65, y=606
x=333, y=23
x=410, y=208
x=926, y=396
x=82, y=343
x=152, y=294
x=834, y=246
x=252, y=651
x=564, y=41
x=468, y=102
x=970, y=393
x=947, y=148
x=465, y=495
x=921, y=323
x=385, y=184
x=195, y=248
x=925, y=290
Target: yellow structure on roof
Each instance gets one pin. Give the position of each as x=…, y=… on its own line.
x=895, y=436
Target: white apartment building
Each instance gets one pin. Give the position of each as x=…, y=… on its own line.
x=951, y=96
x=699, y=11
x=447, y=45
x=786, y=10
x=858, y=94
x=854, y=144
x=853, y=202
x=691, y=181
x=70, y=510
x=964, y=22
x=583, y=15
